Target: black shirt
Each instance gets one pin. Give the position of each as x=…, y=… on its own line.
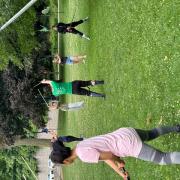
x=62, y=27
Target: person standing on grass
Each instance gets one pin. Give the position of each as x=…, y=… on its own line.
x=75, y=87
x=68, y=60
x=124, y=142
x=70, y=28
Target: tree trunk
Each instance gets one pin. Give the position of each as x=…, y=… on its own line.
x=27, y=142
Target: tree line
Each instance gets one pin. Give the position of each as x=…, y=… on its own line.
x=25, y=57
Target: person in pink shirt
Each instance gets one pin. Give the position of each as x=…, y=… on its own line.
x=111, y=147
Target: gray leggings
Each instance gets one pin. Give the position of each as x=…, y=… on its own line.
x=149, y=153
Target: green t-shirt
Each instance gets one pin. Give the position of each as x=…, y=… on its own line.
x=60, y=88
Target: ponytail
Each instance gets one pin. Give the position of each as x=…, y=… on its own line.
x=59, y=152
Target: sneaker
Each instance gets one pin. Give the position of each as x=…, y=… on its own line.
x=96, y=82
x=85, y=37
x=178, y=128
x=85, y=19
x=93, y=83
x=104, y=96
x=81, y=136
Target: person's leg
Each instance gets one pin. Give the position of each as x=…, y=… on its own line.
x=94, y=94
x=97, y=82
x=76, y=23
x=85, y=92
x=151, y=154
x=88, y=83
x=77, y=89
x=77, y=59
x=80, y=57
x=69, y=138
x=75, y=31
x=147, y=135
x=79, y=83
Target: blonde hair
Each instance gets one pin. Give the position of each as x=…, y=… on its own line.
x=56, y=58
x=53, y=105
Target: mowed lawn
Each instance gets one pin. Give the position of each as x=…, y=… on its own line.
x=135, y=48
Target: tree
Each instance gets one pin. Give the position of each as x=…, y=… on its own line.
x=22, y=66
x=18, y=141
x=13, y=40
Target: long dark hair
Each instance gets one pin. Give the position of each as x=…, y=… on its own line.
x=59, y=152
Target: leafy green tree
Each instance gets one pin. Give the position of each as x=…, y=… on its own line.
x=23, y=65
x=18, y=39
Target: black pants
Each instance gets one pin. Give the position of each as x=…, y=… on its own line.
x=74, y=24
x=78, y=87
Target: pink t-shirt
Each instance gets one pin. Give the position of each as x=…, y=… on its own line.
x=122, y=143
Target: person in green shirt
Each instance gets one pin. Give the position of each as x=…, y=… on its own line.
x=75, y=87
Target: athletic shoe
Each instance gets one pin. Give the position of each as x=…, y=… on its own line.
x=95, y=82
x=85, y=37
x=81, y=136
x=104, y=96
x=85, y=19
x=178, y=128
x=94, y=94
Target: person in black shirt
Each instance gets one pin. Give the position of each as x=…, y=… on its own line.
x=70, y=28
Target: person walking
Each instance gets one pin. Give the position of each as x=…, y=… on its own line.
x=111, y=147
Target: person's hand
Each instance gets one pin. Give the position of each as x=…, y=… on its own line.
x=121, y=164
x=59, y=59
x=125, y=175
x=43, y=81
x=69, y=29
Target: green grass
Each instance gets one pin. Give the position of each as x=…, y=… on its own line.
x=134, y=47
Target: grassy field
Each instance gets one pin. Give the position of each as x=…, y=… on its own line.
x=134, y=47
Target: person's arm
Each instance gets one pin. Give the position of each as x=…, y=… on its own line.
x=44, y=81
x=69, y=29
x=59, y=59
x=54, y=135
x=114, y=166
x=114, y=162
